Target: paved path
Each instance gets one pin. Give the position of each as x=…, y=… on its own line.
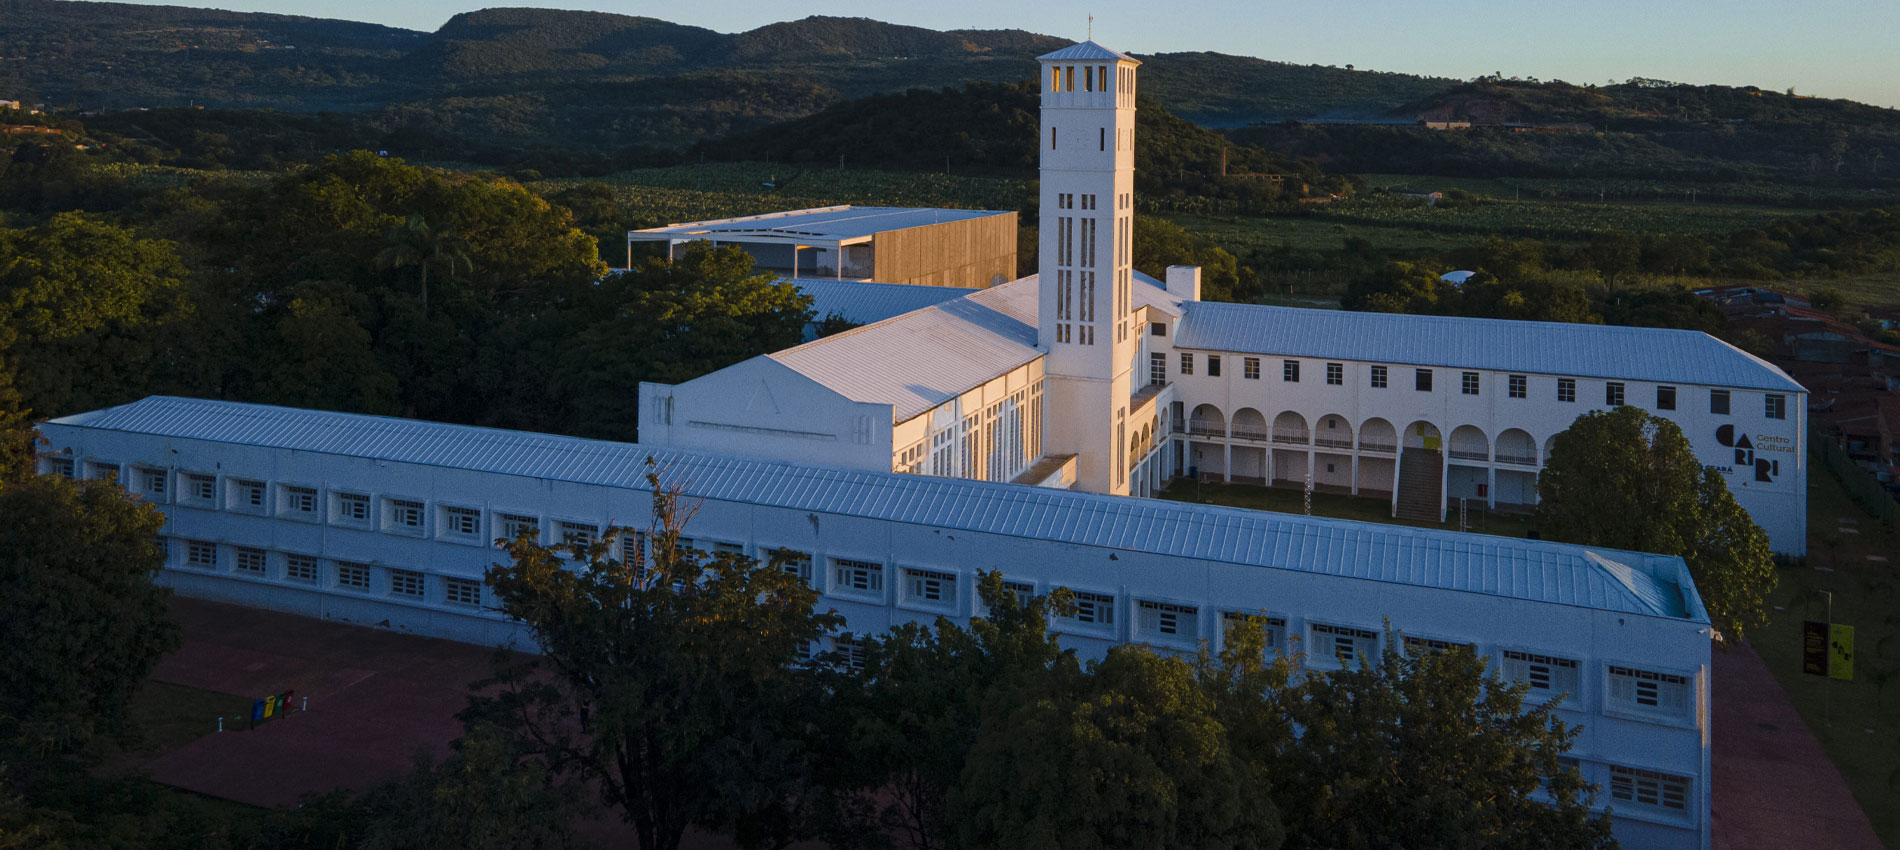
x=1774, y=786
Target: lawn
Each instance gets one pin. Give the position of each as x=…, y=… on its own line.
x=1858, y=722
x=1290, y=501
x=170, y=716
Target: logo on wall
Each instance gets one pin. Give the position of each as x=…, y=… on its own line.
x=1765, y=469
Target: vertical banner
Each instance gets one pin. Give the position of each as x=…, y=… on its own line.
x=270, y=705
x=1840, y=652
x=1814, y=651
x=257, y=711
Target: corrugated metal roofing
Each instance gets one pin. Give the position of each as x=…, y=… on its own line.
x=865, y=303
x=1496, y=566
x=1086, y=51
x=1550, y=348
x=923, y=358
x=842, y=222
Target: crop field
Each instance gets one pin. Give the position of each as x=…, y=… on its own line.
x=1615, y=190
x=656, y=196
x=1559, y=220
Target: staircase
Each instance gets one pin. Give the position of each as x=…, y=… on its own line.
x=1421, y=473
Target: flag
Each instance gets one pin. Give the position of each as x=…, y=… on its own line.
x=270, y=705
x=257, y=711
x=1840, y=650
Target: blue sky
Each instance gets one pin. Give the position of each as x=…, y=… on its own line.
x=1832, y=48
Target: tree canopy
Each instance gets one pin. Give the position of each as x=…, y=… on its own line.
x=1627, y=479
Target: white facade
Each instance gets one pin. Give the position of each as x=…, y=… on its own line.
x=389, y=523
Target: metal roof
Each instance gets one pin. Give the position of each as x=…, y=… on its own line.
x=1549, y=348
x=1086, y=51
x=865, y=303
x=1531, y=570
x=921, y=359
x=824, y=224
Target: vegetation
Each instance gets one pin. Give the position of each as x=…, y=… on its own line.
x=1626, y=479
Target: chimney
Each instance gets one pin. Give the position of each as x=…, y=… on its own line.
x=1184, y=282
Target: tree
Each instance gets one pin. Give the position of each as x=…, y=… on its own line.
x=81, y=620
x=672, y=686
x=485, y=796
x=1427, y=749
x=415, y=243
x=1159, y=243
x=1624, y=479
x=905, y=732
x=1133, y=755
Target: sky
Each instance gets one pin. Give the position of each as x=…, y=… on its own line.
x=1830, y=48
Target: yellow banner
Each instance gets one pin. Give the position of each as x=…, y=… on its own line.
x=1840, y=652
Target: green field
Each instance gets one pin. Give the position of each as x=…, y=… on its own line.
x=1618, y=190
x=1858, y=722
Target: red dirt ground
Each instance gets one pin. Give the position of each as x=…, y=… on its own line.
x=377, y=698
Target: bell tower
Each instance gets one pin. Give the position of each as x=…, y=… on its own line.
x=1085, y=256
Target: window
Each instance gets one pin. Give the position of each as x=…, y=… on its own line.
x=1566, y=389
x=1095, y=609
x=354, y=576
x=1377, y=374
x=930, y=586
x=1422, y=380
x=794, y=563
x=202, y=554
x=1468, y=383
x=1157, y=369
x=298, y=501
x=633, y=549
x=575, y=533
x=1648, y=691
x=1275, y=628
x=461, y=522
x=1345, y=644
x=247, y=495
x=103, y=472
x=200, y=489
x=1613, y=394
x=1168, y=620
x=1547, y=675
x=352, y=508
x=1518, y=386
x=858, y=576
x=461, y=591
x=1777, y=407
x=1023, y=591
x=1665, y=398
x=405, y=583
x=1250, y=368
x=850, y=653
x=1335, y=374
x=1157, y=329
x=1290, y=371
x=248, y=560
x=515, y=525
x=300, y=568
x=1416, y=646
x=60, y=466
x=1649, y=788
x=404, y=515
x=721, y=548
x=153, y=482
x=1213, y=365
x=1718, y=402
x=1187, y=363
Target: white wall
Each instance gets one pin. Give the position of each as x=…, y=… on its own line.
x=762, y=408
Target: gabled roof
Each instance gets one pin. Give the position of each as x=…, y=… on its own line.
x=1086, y=51
x=1531, y=570
x=865, y=303
x=921, y=359
x=1549, y=348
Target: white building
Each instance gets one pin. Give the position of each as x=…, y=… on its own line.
x=390, y=523
x=1016, y=427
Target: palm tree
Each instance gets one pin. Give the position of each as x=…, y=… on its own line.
x=415, y=243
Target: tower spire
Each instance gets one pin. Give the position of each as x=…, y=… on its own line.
x=1091, y=26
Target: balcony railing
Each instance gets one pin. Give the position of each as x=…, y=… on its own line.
x=1332, y=442
x=1517, y=460
x=1207, y=428
x=1467, y=454
x=1295, y=436
x=1378, y=446
x=1253, y=434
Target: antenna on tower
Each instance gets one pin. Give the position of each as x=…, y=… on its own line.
x=1091, y=27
